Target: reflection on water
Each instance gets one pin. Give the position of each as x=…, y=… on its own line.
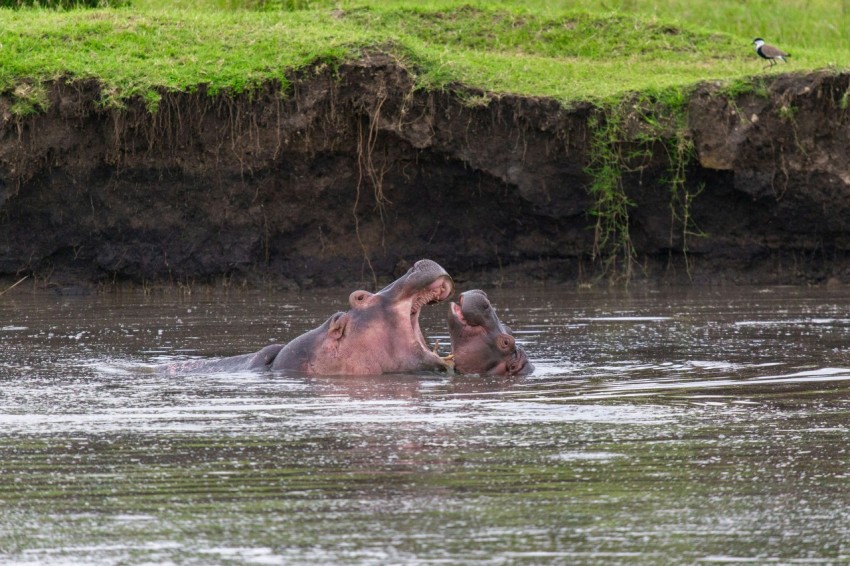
x=660, y=427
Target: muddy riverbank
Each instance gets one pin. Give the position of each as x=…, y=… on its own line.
x=353, y=173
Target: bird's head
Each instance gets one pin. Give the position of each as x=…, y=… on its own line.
x=758, y=42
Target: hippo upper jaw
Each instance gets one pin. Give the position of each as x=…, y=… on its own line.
x=423, y=277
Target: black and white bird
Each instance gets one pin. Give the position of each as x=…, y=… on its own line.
x=769, y=52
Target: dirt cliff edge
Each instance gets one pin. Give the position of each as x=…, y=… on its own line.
x=353, y=173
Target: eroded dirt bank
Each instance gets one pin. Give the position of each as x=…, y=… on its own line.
x=353, y=172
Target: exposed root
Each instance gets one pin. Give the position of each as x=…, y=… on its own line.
x=680, y=151
x=368, y=172
x=357, y=231
x=21, y=280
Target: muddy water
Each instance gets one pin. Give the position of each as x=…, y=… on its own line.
x=659, y=427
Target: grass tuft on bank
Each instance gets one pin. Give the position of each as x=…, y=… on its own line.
x=570, y=51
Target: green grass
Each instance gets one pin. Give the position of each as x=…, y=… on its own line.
x=134, y=52
x=579, y=50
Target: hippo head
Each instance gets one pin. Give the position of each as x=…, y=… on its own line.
x=480, y=342
x=380, y=333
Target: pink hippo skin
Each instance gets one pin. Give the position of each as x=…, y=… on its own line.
x=480, y=342
x=379, y=334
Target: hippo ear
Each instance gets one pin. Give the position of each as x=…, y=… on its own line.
x=359, y=299
x=505, y=342
x=337, y=326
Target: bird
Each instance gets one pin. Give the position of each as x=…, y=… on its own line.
x=769, y=52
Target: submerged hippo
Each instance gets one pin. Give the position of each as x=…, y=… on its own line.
x=480, y=342
x=379, y=334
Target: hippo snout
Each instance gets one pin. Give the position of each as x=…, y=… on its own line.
x=441, y=289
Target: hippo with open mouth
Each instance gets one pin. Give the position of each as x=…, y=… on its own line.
x=379, y=334
x=480, y=342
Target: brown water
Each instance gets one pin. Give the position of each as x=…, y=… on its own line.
x=660, y=427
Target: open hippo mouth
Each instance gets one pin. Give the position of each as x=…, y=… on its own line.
x=457, y=311
x=458, y=322
x=436, y=292
x=399, y=305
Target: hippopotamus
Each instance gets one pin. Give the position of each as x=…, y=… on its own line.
x=379, y=334
x=480, y=342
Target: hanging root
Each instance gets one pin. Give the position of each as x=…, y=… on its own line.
x=21, y=280
x=368, y=172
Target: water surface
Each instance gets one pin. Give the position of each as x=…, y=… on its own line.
x=660, y=427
